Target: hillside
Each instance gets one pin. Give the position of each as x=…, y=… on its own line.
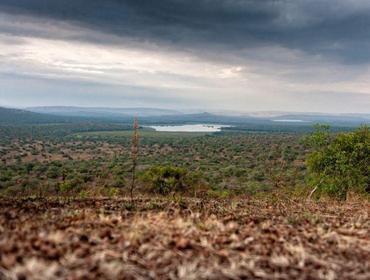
x=102, y=112
x=10, y=116
x=343, y=119
x=190, y=239
x=166, y=116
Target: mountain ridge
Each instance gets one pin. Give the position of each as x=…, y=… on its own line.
x=102, y=111
x=54, y=114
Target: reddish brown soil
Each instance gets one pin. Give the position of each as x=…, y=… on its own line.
x=183, y=239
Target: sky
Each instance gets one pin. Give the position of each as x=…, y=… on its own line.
x=234, y=55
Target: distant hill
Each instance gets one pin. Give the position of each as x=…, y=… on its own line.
x=201, y=118
x=302, y=117
x=64, y=114
x=10, y=116
x=345, y=119
x=102, y=112
x=282, y=119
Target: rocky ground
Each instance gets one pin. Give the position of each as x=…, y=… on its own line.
x=183, y=239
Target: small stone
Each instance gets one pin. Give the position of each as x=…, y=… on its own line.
x=106, y=233
x=8, y=261
x=183, y=244
x=82, y=252
x=84, y=238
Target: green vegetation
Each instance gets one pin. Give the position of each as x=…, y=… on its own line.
x=339, y=163
x=225, y=163
x=169, y=179
x=17, y=117
x=94, y=159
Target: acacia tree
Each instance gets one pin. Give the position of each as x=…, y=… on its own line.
x=339, y=163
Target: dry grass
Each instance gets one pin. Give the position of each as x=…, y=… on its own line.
x=183, y=239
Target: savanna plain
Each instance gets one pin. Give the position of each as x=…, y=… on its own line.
x=234, y=204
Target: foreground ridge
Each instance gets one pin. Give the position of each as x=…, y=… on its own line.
x=183, y=238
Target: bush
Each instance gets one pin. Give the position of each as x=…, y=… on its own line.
x=339, y=163
x=166, y=179
x=74, y=184
x=53, y=172
x=119, y=182
x=110, y=192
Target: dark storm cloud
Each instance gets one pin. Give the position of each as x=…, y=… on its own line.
x=337, y=29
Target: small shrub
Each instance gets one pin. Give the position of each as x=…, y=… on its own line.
x=166, y=179
x=74, y=184
x=110, y=192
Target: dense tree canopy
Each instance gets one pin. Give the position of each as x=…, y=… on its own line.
x=339, y=163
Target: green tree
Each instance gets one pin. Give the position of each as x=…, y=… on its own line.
x=339, y=163
x=166, y=179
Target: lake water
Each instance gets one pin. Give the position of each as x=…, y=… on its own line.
x=290, y=120
x=189, y=128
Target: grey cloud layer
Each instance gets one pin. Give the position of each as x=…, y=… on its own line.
x=297, y=55
x=335, y=29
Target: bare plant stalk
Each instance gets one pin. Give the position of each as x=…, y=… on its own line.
x=134, y=154
x=312, y=192
x=314, y=189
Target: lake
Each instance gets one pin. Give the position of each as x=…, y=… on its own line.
x=290, y=120
x=189, y=127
